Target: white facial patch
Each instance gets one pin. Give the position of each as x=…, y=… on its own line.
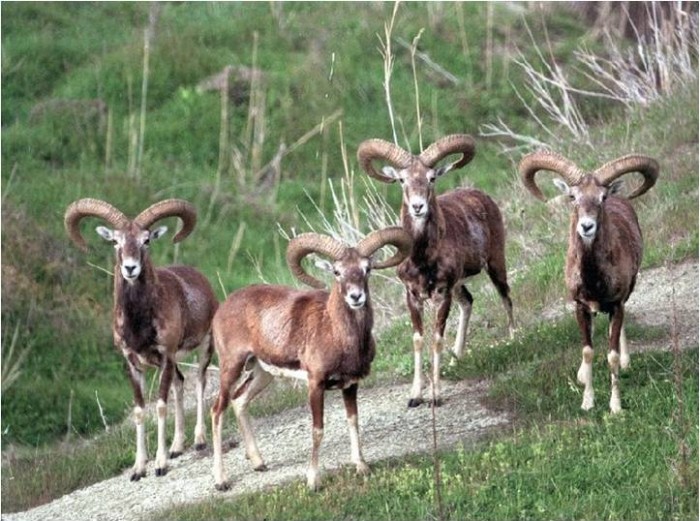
x=586, y=229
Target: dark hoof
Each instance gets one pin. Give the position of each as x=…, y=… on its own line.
x=174, y=455
x=137, y=476
x=223, y=487
x=261, y=468
x=200, y=446
x=415, y=402
x=161, y=472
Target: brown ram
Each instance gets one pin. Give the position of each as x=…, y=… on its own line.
x=604, y=252
x=455, y=235
x=160, y=315
x=321, y=337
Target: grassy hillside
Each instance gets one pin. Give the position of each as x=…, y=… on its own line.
x=75, y=124
x=71, y=121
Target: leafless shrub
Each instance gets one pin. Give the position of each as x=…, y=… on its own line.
x=663, y=57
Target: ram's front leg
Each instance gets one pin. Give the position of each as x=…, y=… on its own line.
x=313, y=477
x=585, y=371
x=166, y=378
x=350, y=399
x=415, y=309
x=443, y=310
x=137, y=382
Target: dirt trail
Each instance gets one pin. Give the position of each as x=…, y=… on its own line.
x=388, y=428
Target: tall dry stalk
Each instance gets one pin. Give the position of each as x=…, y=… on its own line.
x=388, y=56
x=149, y=33
x=419, y=119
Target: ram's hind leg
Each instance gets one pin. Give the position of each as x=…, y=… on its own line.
x=624, y=352
x=168, y=369
x=464, y=300
x=254, y=380
x=616, y=318
x=206, y=351
x=350, y=399
x=499, y=277
x=178, y=445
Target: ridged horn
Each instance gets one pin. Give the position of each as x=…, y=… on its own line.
x=394, y=236
x=452, y=144
x=546, y=160
x=645, y=165
x=90, y=208
x=305, y=244
x=373, y=149
x=169, y=208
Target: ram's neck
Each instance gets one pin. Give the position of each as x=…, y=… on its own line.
x=135, y=308
x=426, y=233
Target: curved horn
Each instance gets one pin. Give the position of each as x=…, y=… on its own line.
x=373, y=149
x=453, y=144
x=646, y=166
x=90, y=208
x=395, y=236
x=170, y=208
x=546, y=160
x=306, y=243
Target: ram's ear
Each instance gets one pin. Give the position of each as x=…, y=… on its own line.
x=391, y=172
x=324, y=265
x=106, y=233
x=158, y=233
x=615, y=187
x=562, y=186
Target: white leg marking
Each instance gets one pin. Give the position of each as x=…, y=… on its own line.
x=465, y=311
x=261, y=379
x=161, y=454
x=614, y=363
x=200, y=438
x=216, y=427
x=141, y=455
x=417, y=388
x=313, y=477
x=178, y=445
x=585, y=377
x=355, y=451
x=624, y=353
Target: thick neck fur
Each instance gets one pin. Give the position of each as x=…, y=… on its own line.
x=135, y=304
x=592, y=257
x=426, y=236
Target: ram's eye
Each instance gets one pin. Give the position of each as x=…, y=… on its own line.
x=401, y=180
x=336, y=273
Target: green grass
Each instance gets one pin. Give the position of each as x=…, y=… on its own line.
x=557, y=463
x=317, y=58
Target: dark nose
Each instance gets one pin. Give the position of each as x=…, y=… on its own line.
x=417, y=207
x=587, y=227
x=355, y=296
x=130, y=269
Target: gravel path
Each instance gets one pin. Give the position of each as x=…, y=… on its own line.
x=388, y=428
